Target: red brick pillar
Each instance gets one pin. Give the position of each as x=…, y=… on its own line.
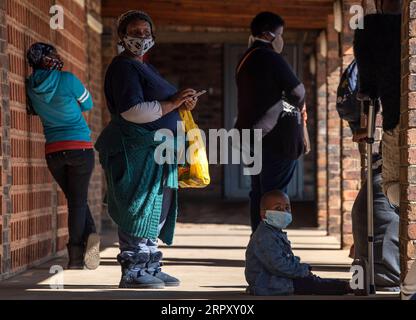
x=408, y=139
x=29, y=191
x=351, y=159
x=334, y=132
x=38, y=211
x=321, y=142
x=5, y=174
x=109, y=40
x=95, y=85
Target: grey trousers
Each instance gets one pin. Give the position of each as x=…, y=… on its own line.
x=128, y=242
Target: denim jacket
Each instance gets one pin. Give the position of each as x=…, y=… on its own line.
x=270, y=263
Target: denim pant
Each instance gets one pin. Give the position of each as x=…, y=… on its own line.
x=386, y=235
x=276, y=174
x=72, y=170
x=128, y=242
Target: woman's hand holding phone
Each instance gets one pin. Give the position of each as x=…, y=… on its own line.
x=186, y=99
x=176, y=100
x=190, y=104
x=192, y=101
x=181, y=97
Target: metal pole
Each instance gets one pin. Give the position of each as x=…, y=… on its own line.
x=370, y=197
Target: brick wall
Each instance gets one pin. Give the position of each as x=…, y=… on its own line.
x=34, y=208
x=4, y=113
x=109, y=41
x=95, y=85
x=333, y=68
x=321, y=136
x=350, y=154
x=28, y=22
x=408, y=139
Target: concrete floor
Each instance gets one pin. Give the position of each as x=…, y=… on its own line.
x=208, y=258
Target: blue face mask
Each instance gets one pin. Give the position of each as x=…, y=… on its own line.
x=278, y=219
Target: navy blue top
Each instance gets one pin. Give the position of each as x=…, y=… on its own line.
x=261, y=82
x=129, y=82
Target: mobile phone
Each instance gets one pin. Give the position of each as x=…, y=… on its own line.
x=196, y=95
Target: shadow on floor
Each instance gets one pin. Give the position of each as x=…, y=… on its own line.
x=227, y=263
x=146, y=294
x=238, y=212
x=190, y=262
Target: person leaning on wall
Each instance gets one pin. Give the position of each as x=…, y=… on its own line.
x=377, y=49
x=60, y=100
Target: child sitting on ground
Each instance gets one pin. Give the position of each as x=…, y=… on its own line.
x=271, y=267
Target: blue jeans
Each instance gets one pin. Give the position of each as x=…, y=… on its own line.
x=128, y=242
x=276, y=174
x=72, y=170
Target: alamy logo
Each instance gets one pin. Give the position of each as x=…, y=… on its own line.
x=243, y=148
x=56, y=282
x=357, y=279
x=357, y=19
x=57, y=20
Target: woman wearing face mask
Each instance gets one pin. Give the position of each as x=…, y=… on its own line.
x=142, y=194
x=264, y=78
x=271, y=266
x=60, y=99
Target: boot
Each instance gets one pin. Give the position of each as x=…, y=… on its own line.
x=92, y=252
x=154, y=268
x=133, y=271
x=76, y=257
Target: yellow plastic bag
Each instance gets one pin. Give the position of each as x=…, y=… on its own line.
x=195, y=173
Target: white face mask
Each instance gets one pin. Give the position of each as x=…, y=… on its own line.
x=278, y=219
x=138, y=46
x=277, y=43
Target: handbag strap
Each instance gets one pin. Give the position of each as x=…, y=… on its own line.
x=244, y=59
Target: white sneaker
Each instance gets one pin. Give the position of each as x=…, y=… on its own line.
x=92, y=252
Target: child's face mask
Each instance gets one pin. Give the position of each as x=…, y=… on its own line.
x=278, y=219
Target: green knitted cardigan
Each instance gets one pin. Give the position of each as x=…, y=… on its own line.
x=135, y=180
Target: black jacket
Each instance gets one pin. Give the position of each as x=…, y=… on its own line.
x=378, y=53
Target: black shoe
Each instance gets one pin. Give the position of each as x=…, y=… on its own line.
x=76, y=257
x=134, y=274
x=154, y=268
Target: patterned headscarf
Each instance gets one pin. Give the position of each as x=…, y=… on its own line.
x=43, y=56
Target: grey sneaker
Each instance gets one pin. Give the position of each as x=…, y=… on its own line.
x=134, y=274
x=154, y=268
x=92, y=252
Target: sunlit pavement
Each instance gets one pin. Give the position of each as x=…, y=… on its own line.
x=207, y=258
